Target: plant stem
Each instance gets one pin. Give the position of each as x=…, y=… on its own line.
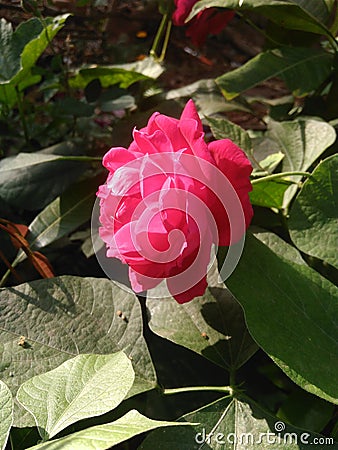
x=158, y=37
x=172, y=391
x=80, y=158
x=5, y=277
x=276, y=176
x=165, y=42
x=232, y=377
x=10, y=268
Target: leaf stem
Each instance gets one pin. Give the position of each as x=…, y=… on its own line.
x=80, y=158
x=276, y=176
x=5, y=277
x=227, y=389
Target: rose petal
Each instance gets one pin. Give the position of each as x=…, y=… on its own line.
x=190, y=294
x=116, y=157
x=141, y=283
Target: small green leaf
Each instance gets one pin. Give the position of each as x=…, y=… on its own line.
x=268, y=164
x=6, y=414
x=102, y=437
x=82, y=387
x=303, y=70
x=269, y=193
x=286, y=305
x=313, y=217
x=232, y=423
x=302, y=141
x=123, y=75
x=65, y=316
x=224, y=129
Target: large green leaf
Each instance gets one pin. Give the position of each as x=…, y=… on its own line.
x=102, y=437
x=19, y=50
x=302, y=69
x=6, y=413
x=306, y=15
x=66, y=316
x=32, y=180
x=286, y=305
x=302, y=141
x=212, y=326
x=82, y=387
x=224, y=129
x=123, y=74
x=229, y=424
x=65, y=214
x=313, y=216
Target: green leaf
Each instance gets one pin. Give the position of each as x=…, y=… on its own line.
x=269, y=193
x=66, y=213
x=123, y=74
x=20, y=50
x=231, y=423
x=286, y=305
x=306, y=411
x=82, y=387
x=313, y=216
x=268, y=164
x=206, y=96
x=306, y=15
x=224, y=129
x=6, y=413
x=302, y=141
x=302, y=69
x=212, y=326
x=32, y=180
x=66, y=316
x=102, y=437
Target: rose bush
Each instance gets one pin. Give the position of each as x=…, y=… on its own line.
x=168, y=198
x=209, y=21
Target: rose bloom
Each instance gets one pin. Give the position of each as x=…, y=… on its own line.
x=208, y=21
x=168, y=198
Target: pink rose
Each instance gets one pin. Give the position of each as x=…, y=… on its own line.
x=168, y=198
x=208, y=21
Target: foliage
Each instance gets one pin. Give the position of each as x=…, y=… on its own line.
x=85, y=363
